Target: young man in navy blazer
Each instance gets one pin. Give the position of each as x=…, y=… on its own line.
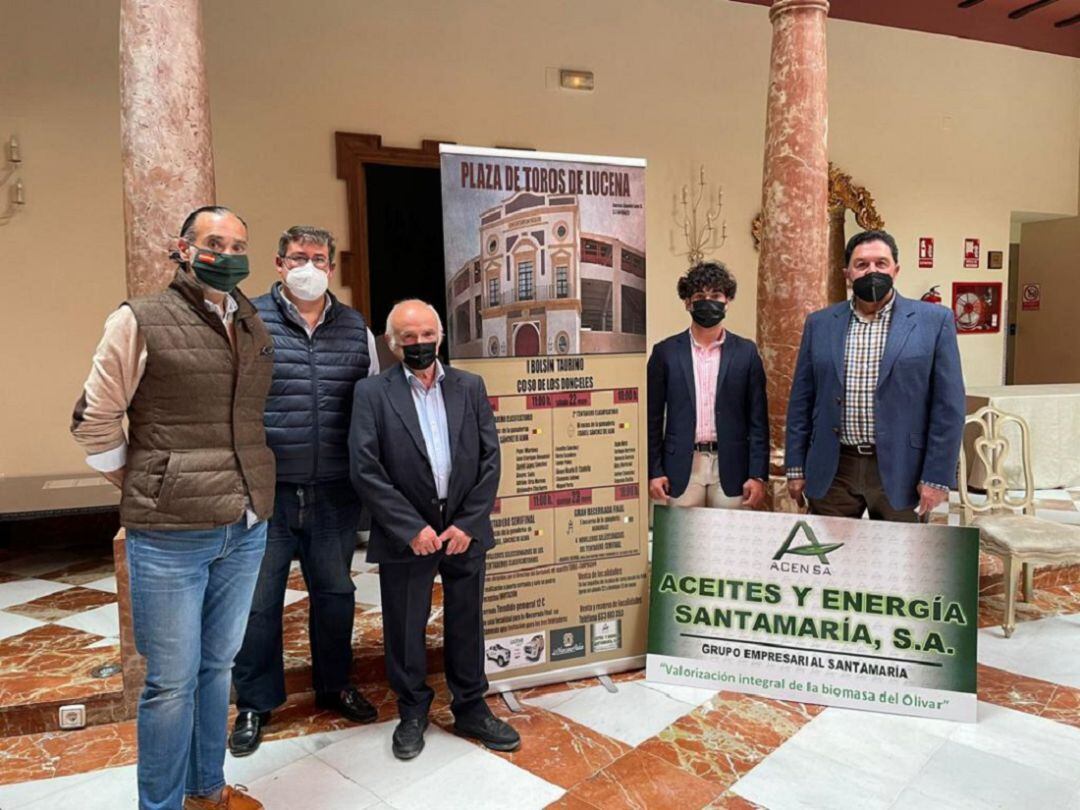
x=708, y=414
x=876, y=414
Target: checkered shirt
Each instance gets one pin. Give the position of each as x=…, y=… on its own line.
x=863, y=349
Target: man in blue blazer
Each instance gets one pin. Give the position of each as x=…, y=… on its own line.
x=876, y=414
x=708, y=415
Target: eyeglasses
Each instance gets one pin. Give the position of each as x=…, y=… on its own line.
x=300, y=259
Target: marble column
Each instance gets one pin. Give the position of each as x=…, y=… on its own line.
x=168, y=167
x=168, y=161
x=793, y=269
x=837, y=283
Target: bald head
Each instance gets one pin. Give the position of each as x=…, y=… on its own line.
x=413, y=321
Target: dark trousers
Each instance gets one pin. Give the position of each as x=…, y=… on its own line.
x=406, y=605
x=856, y=489
x=319, y=523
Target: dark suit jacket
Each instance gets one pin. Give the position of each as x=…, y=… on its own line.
x=918, y=405
x=390, y=469
x=742, y=413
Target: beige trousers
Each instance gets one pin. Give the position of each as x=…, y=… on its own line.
x=704, y=487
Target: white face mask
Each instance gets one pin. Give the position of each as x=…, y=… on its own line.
x=308, y=282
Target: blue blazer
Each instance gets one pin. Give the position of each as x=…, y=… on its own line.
x=918, y=405
x=742, y=413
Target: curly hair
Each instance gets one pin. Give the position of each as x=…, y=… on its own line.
x=705, y=276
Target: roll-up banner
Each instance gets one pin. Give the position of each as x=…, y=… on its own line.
x=853, y=613
x=545, y=291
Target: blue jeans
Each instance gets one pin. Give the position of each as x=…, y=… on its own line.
x=319, y=523
x=190, y=594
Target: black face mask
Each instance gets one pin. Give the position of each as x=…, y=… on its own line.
x=872, y=287
x=419, y=356
x=708, y=313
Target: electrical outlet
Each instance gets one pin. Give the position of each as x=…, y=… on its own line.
x=73, y=716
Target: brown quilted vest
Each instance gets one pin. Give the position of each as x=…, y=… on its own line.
x=196, y=446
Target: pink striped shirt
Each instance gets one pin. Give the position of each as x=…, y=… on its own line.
x=706, y=369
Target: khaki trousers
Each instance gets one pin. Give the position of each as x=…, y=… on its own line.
x=704, y=487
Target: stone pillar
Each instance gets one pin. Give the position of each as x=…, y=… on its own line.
x=837, y=284
x=165, y=132
x=168, y=168
x=793, y=267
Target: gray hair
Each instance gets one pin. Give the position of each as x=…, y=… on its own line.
x=307, y=235
x=391, y=338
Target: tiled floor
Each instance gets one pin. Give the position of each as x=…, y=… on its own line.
x=58, y=625
x=585, y=748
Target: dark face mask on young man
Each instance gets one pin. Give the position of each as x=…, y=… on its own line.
x=707, y=313
x=419, y=356
x=872, y=287
x=221, y=271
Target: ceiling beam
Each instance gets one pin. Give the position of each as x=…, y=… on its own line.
x=1030, y=7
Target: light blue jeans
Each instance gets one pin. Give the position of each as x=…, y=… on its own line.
x=190, y=596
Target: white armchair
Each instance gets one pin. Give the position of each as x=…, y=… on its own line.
x=1007, y=525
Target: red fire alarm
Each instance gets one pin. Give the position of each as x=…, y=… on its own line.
x=926, y=252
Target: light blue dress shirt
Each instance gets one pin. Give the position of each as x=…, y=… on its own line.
x=431, y=411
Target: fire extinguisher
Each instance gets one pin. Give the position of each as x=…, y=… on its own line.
x=933, y=295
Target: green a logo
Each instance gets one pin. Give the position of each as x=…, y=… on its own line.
x=812, y=548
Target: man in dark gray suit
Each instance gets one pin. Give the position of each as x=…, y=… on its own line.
x=424, y=458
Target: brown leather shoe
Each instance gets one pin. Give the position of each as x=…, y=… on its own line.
x=232, y=798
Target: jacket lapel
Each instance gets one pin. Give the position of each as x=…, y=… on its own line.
x=686, y=363
x=902, y=325
x=402, y=402
x=454, y=399
x=841, y=320
x=725, y=363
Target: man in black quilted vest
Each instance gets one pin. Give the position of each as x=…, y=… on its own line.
x=321, y=348
x=189, y=367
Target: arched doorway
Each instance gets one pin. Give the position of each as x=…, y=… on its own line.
x=527, y=341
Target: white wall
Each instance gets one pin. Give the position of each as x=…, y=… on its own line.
x=677, y=83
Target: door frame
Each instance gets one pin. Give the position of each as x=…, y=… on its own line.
x=354, y=151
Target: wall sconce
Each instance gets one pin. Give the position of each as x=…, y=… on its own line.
x=576, y=79
x=16, y=191
x=701, y=237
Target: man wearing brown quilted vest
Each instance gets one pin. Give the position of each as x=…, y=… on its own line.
x=190, y=367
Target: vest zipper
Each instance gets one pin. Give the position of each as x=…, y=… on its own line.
x=314, y=406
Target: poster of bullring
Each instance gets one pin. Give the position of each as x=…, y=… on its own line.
x=853, y=613
x=545, y=275
x=545, y=254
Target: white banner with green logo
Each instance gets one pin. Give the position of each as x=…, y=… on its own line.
x=853, y=613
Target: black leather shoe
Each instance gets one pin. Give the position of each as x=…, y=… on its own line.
x=409, y=737
x=247, y=733
x=490, y=730
x=349, y=703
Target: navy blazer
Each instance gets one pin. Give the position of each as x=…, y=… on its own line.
x=392, y=475
x=918, y=405
x=742, y=413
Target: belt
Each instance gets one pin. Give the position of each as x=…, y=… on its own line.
x=705, y=447
x=863, y=449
